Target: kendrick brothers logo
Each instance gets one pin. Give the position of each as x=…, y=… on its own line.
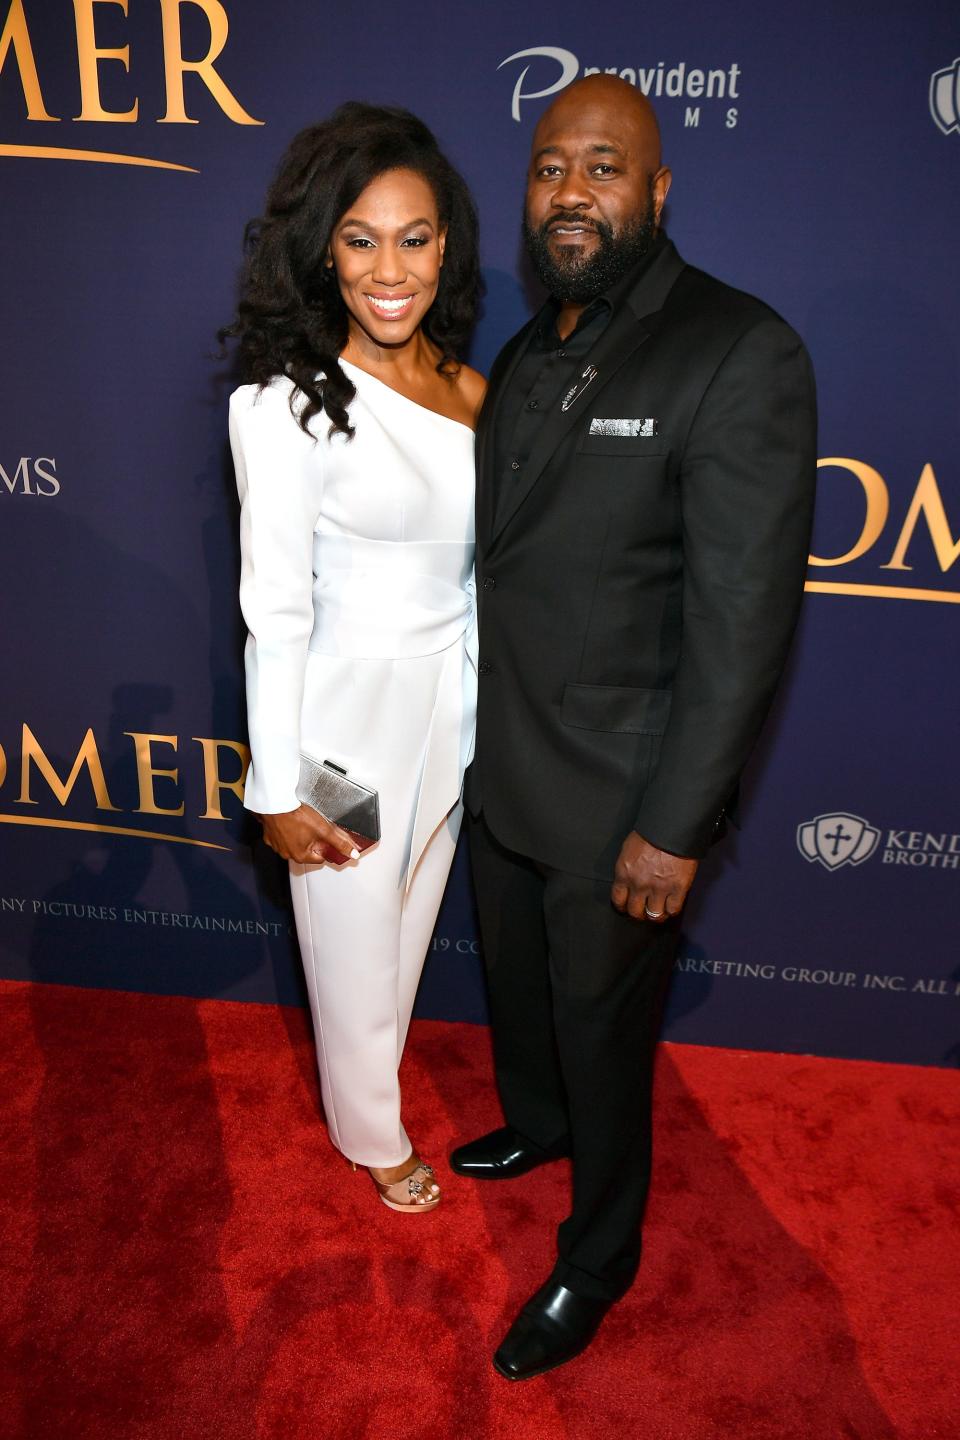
x=678, y=81
x=96, y=66
x=840, y=839
x=837, y=840
x=945, y=98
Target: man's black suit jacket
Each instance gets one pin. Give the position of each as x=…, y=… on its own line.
x=637, y=594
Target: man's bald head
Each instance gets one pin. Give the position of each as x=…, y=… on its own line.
x=604, y=103
x=595, y=188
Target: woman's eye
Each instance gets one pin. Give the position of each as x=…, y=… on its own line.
x=417, y=241
x=360, y=242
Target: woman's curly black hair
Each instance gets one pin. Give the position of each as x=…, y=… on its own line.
x=291, y=319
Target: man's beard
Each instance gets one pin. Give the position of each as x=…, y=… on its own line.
x=577, y=278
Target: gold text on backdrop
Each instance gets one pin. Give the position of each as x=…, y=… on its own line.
x=40, y=783
x=926, y=504
x=17, y=52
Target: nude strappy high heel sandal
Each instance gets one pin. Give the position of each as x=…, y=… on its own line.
x=414, y=1193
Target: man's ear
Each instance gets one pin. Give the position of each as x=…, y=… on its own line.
x=661, y=189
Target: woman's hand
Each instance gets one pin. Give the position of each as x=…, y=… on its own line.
x=300, y=835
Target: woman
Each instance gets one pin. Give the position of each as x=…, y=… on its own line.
x=353, y=447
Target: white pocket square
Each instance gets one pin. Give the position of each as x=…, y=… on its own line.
x=623, y=427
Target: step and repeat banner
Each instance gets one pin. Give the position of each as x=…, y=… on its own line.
x=816, y=159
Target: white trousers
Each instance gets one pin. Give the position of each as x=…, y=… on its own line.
x=363, y=939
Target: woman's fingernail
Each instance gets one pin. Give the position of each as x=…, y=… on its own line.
x=354, y=854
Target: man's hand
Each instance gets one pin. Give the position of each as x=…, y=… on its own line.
x=301, y=835
x=648, y=883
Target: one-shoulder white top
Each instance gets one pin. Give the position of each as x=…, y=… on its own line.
x=357, y=591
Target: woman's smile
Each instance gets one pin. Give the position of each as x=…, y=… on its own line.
x=391, y=307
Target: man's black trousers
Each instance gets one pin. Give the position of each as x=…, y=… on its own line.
x=576, y=998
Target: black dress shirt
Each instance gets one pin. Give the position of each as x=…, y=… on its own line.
x=546, y=371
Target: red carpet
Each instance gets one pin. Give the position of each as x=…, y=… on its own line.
x=185, y=1257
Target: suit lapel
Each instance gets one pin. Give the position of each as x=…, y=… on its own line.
x=628, y=329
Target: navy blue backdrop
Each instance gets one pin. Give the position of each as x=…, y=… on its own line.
x=816, y=156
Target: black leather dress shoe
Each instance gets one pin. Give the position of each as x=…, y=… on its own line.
x=501, y=1155
x=553, y=1327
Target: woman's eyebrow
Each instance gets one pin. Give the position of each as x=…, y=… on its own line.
x=365, y=224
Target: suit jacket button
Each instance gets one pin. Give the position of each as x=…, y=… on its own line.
x=489, y=583
x=514, y=464
x=484, y=667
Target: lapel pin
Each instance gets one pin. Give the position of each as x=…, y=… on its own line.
x=578, y=387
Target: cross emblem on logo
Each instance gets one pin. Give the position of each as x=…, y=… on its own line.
x=836, y=840
x=837, y=837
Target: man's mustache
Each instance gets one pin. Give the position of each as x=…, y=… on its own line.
x=556, y=221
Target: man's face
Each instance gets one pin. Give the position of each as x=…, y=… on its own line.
x=593, y=199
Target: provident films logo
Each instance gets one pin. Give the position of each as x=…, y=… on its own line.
x=945, y=98
x=559, y=68
x=106, y=71
x=837, y=840
x=569, y=70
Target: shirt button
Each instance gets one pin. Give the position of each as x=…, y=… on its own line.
x=514, y=464
x=484, y=667
x=489, y=583
x=533, y=405
x=561, y=352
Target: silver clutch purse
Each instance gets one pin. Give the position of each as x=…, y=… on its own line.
x=328, y=789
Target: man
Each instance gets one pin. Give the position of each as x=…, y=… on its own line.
x=646, y=461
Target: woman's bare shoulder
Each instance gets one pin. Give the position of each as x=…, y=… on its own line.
x=473, y=387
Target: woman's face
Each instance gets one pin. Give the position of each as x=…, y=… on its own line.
x=387, y=251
